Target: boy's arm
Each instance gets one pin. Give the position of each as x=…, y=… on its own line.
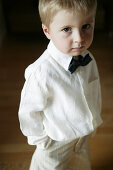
x=33, y=101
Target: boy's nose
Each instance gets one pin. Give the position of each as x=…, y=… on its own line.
x=78, y=36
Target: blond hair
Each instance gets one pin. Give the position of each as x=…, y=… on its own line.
x=49, y=8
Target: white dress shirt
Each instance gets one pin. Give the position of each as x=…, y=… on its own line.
x=56, y=104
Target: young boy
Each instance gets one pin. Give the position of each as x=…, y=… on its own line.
x=61, y=101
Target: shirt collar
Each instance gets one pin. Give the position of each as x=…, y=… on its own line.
x=61, y=58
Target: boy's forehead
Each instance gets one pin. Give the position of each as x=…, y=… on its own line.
x=67, y=16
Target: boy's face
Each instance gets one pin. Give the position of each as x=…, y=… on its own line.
x=71, y=33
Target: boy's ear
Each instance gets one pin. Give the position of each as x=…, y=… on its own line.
x=46, y=31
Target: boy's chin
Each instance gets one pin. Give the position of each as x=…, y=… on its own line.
x=75, y=53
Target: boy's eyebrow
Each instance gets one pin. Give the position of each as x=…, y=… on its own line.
x=88, y=20
x=66, y=26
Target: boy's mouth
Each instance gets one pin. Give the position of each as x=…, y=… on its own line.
x=78, y=48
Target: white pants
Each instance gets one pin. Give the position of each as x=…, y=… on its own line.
x=68, y=155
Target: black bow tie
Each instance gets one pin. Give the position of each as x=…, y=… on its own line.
x=82, y=61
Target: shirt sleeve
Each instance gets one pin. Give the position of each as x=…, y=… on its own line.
x=99, y=97
x=33, y=102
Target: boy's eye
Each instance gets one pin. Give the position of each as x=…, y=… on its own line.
x=67, y=30
x=86, y=26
